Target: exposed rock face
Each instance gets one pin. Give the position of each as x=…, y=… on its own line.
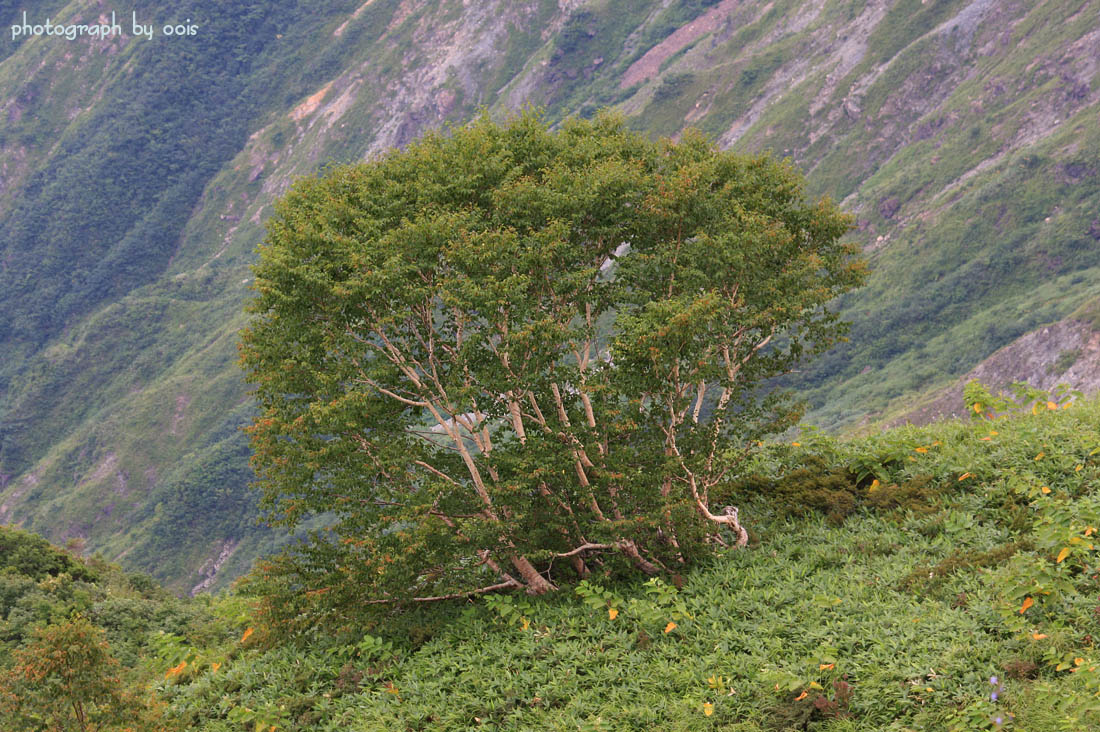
x=1067, y=352
x=209, y=570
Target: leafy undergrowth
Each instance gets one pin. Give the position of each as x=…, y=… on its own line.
x=942, y=578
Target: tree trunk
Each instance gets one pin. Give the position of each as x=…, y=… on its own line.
x=536, y=583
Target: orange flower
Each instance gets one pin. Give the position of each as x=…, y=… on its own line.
x=612, y=613
x=921, y=449
x=175, y=670
x=1062, y=555
x=824, y=666
x=670, y=627
x=1028, y=602
x=708, y=709
x=1045, y=490
x=246, y=635
x=1038, y=636
x=214, y=667
x=802, y=696
x=964, y=476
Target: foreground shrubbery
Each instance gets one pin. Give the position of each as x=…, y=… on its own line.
x=943, y=578
x=887, y=587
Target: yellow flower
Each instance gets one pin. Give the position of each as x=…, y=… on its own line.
x=1078, y=468
x=874, y=486
x=708, y=708
x=612, y=613
x=977, y=408
x=669, y=628
x=1045, y=490
x=526, y=623
x=1039, y=456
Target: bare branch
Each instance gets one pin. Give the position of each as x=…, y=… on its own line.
x=702, y=390
x=456, y=596
x=587, y=547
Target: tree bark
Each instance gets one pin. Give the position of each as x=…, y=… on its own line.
x=536, y=583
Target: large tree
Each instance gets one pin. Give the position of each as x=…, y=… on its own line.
x=506, y=350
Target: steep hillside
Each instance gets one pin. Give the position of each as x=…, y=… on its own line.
x=1065, y=354
x=135, y=176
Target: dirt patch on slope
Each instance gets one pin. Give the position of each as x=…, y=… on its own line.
x=340, y=31
x=310, y=104
x=648, y=65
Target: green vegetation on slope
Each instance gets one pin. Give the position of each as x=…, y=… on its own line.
x=933, y=578
x=893, y=582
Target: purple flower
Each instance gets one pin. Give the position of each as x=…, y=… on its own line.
x=999, y=721
x=993, y=680
x=993, y=696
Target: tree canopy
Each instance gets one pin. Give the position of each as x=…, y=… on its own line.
x=507, y=353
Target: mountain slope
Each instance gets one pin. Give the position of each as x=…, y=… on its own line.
x=135, y=177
